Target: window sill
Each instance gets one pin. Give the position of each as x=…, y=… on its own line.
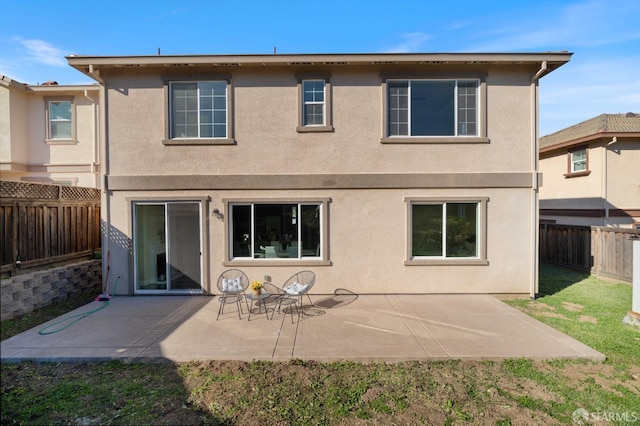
x=433, y=139
x=277, y=262
x=221, y=141
x=446, y=262
x=61, y=141
x=577, y=174
x=314, y=129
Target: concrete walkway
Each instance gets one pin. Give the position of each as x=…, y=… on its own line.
x=343, y=326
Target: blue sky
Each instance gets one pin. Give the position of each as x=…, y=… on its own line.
x=604, y=35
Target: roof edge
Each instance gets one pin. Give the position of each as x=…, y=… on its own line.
x=263, y=59
x=586, y=139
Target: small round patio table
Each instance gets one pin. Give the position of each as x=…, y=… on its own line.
x=260, y=300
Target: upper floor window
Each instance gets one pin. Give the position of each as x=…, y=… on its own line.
x=315, y=104
x=578, y=163
x=432, y=108
x=60, y=118
x=199, y=109
x=579, y=160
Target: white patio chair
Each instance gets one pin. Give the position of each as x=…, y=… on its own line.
x=232, y=284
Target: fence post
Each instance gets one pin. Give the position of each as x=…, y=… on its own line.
x=14, y=239
x=595, y=250
x=635, y=306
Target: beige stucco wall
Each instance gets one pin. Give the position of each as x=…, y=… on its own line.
x=367, y=243
x=65, y=161
x=572, y=192
x=14, y=151
x=623, y=174
x=24, y=152
x=265, y=107
x=367, y=226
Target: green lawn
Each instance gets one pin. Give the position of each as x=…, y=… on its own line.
x=518, y=391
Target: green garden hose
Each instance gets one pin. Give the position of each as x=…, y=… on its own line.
x=76, y=317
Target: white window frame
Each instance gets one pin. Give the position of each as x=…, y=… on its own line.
x=456, y=109
x=165, y=202
x=169, y=138
x=575, y=162
x=306, y=103
x=481, y=109
x=481, y=231
x=49, y=137
x=199, y=110
x=321, y=259
x=327, y=125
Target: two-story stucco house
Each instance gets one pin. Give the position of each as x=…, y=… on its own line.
x=49, y=133
x=591, y=173
x=382, y=173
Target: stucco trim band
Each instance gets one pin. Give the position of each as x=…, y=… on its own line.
x=320, y=181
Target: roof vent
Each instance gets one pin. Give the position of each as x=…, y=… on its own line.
x=629, y=115
x=50, y=83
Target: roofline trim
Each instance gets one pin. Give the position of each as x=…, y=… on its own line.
x=319, y=59
x=63, y=88
x=584, y=139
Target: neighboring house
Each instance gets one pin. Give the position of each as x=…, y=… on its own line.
x=49, y=133
x=382, y=173
x=591, y=173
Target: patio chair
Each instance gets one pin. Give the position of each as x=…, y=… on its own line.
x=299, y=285
x=279, y=299
x=232, y=284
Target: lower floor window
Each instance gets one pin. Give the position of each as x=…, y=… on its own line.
x=444, y=229
x=274, y=230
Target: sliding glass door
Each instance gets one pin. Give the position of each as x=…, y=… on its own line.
x=167, y=247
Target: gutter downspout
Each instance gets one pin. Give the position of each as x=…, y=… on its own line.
x=93, y=133
x=104, y=170
x=535, y=201
x=605, y=220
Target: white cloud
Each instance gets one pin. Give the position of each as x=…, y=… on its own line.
x=589, y=23
x=43, y=52
x=411, y=42
x=584, y=89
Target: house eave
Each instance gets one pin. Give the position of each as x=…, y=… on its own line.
x=63, y=88
x=563, y=146
x=90, y=65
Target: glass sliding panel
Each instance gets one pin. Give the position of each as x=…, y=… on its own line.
x=426, y=233
x=432, y=108
x=241, y=231
x=275, y=226
x=462, y=229
x=310, y=230
x=150, y=247
x=184, y=246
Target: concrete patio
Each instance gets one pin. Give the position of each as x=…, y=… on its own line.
x=342, y=326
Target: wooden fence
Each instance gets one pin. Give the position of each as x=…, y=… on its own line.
x=46, y=224
x=597, y=250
